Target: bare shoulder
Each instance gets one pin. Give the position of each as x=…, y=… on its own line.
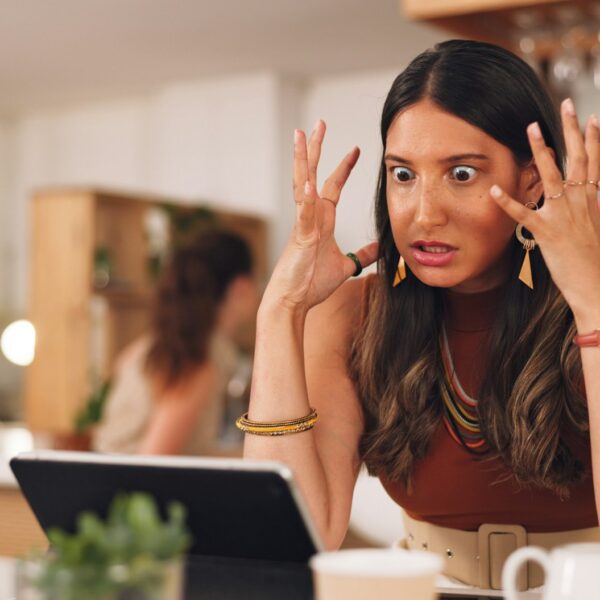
x=197, y=383
x=134, y=352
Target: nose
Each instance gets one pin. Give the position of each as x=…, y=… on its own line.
x=430, y=211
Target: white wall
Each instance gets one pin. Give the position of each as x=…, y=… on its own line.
x=351, y=107
x=4, y=170
x=214, y=140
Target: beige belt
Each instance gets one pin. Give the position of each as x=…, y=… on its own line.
x=477, y=557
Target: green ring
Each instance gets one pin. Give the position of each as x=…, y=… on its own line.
x=355, y=260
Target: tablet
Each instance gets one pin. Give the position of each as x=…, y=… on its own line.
x=236, y=508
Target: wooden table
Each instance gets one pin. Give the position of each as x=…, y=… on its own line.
x=19, y=529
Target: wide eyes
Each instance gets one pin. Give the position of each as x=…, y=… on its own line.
x=459, y=174
x=402, y=174
x=463, y=173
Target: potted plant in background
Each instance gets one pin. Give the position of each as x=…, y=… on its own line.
x=132, y=555
x=85, y=420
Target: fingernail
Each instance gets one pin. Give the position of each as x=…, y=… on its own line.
x=496, y=191
x=569, y=107
x=535, y=131
x=296, y=135
x=594, y=120
x=317, y=124
x=307, y=188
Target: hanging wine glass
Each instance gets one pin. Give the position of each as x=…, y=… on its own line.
x=528, y=22
x=568, y=64
x=527, y=46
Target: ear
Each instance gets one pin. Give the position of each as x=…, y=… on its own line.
x=531, y=185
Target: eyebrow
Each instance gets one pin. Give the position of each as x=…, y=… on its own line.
x=449, y=159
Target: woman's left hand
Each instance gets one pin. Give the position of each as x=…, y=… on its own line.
x=567, y=227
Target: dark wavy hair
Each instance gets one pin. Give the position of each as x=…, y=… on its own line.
x=534, y=388
x=190, y=290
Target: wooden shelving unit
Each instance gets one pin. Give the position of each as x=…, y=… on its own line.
x=81, y=327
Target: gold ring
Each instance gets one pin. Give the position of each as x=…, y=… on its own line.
x=555, y=196
x=573, y=183
x=329, y=200
x=596, y=184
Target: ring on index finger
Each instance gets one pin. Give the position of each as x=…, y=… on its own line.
x=329, y=200
x=555, y=196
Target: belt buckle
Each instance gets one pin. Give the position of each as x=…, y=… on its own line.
x=484, y=533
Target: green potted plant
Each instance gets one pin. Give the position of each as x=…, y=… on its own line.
x=132, y=555
x=85, y=420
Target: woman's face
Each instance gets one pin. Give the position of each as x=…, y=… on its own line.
x=439, y=170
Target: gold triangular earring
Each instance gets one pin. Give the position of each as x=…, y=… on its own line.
x=400, y=272
x=529, y=244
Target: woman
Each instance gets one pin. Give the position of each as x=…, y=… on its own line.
x=455, y=381
x=170, y=385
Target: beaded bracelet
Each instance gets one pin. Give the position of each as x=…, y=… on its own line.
x=587, y=340
x=278, y=427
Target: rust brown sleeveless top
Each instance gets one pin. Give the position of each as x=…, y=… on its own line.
x=452, y=487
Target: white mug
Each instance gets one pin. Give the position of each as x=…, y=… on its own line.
x=385, y=574
x=571, y=572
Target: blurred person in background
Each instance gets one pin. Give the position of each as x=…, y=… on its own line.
x=169, y=386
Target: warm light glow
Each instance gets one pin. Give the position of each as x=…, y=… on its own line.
x=18, y=342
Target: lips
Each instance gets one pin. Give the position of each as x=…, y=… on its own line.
x=432, y=253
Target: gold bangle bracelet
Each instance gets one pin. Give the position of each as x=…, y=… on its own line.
x=278, y=427
x=285, y=430
x=246, y=421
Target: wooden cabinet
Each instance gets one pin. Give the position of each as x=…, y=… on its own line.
x=81, y=322
x=504, y=21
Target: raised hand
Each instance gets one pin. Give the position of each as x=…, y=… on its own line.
x=567, y=226
x=312, y=266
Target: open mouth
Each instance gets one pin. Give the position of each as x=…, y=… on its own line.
x=435, y=249
x=433, y=253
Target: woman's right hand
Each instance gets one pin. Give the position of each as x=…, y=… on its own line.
x=312, y=266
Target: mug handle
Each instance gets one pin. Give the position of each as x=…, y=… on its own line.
x=515, y=561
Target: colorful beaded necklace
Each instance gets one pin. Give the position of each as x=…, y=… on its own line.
x=460, y=410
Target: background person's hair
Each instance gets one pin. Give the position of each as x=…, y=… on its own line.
x=533, y=392
x=189, y=293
